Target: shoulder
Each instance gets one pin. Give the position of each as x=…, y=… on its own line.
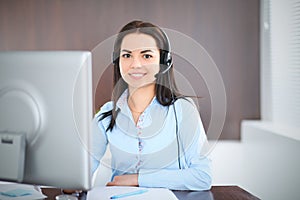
x=185, y=104
x=186, y=109
x=102, y=117
x=108, y=106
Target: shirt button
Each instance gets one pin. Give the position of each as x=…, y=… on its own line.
x=141, y=146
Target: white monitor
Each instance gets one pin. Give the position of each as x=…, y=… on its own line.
x=47, y=95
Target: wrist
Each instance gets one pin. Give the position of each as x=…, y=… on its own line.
x=137, y=179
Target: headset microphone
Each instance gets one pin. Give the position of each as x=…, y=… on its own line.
x=163, y=72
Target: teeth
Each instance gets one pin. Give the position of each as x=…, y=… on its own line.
x=137, y=75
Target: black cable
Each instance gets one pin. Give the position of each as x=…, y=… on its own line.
x=176, y=121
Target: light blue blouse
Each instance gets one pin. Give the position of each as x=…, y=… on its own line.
x=150, y=147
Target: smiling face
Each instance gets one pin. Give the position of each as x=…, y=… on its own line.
x=139, y=60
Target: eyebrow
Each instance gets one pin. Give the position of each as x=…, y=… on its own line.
x=144, y=51
x=148, y=50
x=126, y=51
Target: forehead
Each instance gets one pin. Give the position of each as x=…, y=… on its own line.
x=135, y=41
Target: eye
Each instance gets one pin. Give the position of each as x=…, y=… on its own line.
x=147, y=56
x=126, y=55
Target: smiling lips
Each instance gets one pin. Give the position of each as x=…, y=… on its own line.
x=137, y=75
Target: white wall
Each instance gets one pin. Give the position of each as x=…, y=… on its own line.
x=263, y=163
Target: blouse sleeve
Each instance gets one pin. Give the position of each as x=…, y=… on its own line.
x=99, y=139
x=195, y=173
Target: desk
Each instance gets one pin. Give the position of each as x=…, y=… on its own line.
x=216, y=193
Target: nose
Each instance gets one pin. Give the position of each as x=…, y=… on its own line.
x=136, y=63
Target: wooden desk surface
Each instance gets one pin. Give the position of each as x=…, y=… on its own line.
x=216, y=193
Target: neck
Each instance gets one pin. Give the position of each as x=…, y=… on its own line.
x=140, y=98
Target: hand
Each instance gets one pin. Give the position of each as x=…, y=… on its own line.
x=124, y=180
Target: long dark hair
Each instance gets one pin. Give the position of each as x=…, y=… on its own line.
x=165, y=87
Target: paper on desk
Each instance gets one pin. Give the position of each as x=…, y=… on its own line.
x=153, y=193
x=34, y=194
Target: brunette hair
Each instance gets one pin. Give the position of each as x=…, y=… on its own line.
x=165, y=87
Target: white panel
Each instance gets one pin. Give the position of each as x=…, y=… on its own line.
x=265, y=67
x=285, y=63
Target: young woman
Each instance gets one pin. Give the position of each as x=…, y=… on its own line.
x=154, y=133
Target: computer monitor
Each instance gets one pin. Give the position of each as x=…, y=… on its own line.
x=47, y=95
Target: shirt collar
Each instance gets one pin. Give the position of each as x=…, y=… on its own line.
x=122, y=101
x=123, y=104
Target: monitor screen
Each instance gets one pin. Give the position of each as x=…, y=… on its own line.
x=47, y=96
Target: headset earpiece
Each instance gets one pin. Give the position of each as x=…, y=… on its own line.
x=165, y=58
x=169, y=59
x=165, y=62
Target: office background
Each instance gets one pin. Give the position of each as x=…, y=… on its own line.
x=227, y=29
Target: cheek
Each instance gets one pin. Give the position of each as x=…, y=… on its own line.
x=153, y=68
x=123, y=68
x=157, y=66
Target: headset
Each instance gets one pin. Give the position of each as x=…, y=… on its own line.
x=166, y=61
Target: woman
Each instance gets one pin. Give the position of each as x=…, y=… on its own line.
x=155, y=134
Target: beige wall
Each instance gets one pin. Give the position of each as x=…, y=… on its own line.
x=227, y=29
